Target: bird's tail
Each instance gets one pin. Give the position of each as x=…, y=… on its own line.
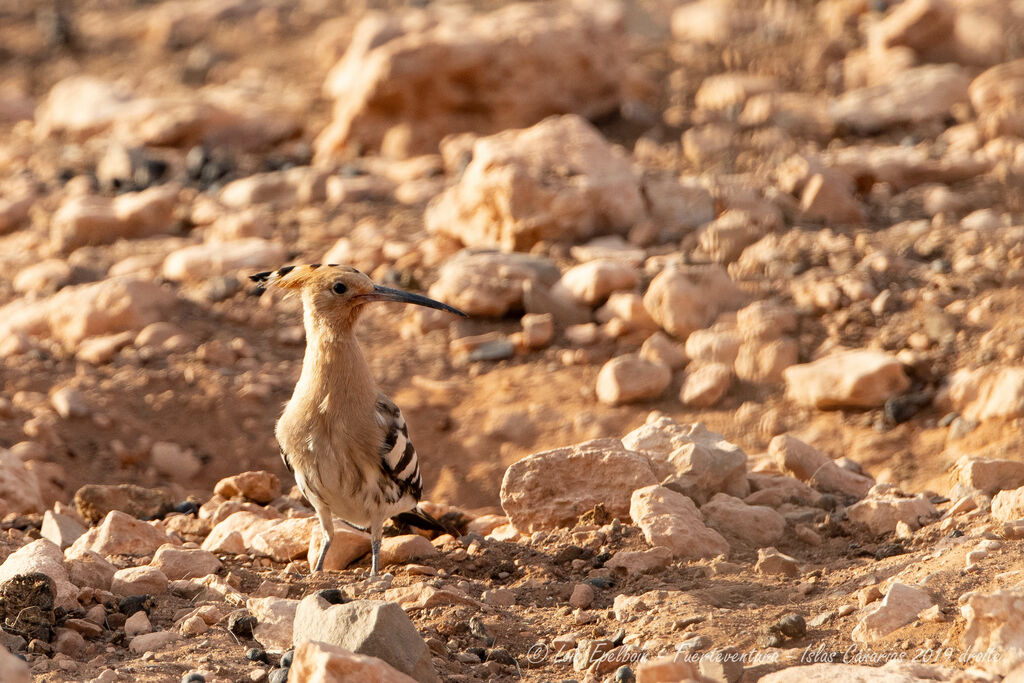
x=421, y=519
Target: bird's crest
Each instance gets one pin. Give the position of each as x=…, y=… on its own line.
x=294, y=277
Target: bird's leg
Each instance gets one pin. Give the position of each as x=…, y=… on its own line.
x=376, y=532
x=327, y=524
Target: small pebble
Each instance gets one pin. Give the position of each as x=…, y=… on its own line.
x=793, y=625
x=624, y=675
x=287, y=657
x=278, y=676
x=254, y=654
x=193, y=677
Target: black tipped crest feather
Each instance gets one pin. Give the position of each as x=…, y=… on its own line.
x=261, y=280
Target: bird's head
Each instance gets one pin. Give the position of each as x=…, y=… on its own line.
x=335, y=295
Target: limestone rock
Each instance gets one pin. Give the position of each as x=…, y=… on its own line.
x=88, y=569
x=258, y=486
x=852, y=379
x=629, y=378
x=281, y=189
x=691, y=458
x=755, y=524
x=989, y=475
x=538, y=330
x=921, y=25
x=713, y=345
x=881, y=513
x=553, y=488
x=732, y=89
x=711, y=21
x=184, y=563
x=640, y=561
x=204, y=261
x=408, y=80
x=82, y=106
x=121, y=534
x=997, y=95
x=60, y=529
x=901, y=606
x=19, y=489
x=986, y=393
x=893, y=672
x=770, y=561
x=725, y=238
x=139, y=581
x=660, y=348
x=152, y=642
x=69, y=403
x=558, y=180
x=287, y=539
x=671, y=520
x=1008, y=506
x=677, y=205
x=137, y=625
x=422, y=595
x=491, y=283
x=669, y=667
x=367, y=627
x=406, y=548
x=829, y=197
x=322, y=663
x=761, y=360
x=808, y=464
x=682, y=299
x=94, y=501
x=80, y=311
x=275, y=618
x=705, y=385
x=916, y=95
x=591, y=283
x=45, y=276
x=995, y=623
x=766, y=320
x=92, y=219
x=236, y=532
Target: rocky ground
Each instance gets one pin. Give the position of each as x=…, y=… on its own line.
x=740, y=392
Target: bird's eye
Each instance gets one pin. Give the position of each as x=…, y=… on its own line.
x=339, y=288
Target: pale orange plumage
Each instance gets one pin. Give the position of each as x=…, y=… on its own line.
x=345, y=441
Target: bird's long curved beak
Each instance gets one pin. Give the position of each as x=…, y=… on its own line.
x=387, y=294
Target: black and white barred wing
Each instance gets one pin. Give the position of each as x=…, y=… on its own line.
x=397, y=455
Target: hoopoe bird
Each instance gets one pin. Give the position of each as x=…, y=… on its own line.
x=346, y=442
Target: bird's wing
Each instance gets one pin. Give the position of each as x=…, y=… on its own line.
x=398, y=458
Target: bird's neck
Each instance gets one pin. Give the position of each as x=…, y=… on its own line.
x=334, y=367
